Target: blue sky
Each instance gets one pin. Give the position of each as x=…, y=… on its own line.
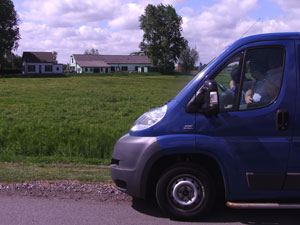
x=265, y=8
x=112, y=27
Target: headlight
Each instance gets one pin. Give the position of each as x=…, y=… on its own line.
x=149, y=118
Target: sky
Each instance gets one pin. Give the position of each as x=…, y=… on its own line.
x=112, y=26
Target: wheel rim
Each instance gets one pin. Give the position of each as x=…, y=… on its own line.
x=186, y=192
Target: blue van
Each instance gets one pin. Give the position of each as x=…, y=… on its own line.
x=232, y=133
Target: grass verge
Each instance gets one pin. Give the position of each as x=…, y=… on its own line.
x=20, y=172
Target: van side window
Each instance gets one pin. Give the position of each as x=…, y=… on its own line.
x=263, y=75
x=228, y=80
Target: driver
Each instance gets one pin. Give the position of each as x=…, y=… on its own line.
x=264, y=89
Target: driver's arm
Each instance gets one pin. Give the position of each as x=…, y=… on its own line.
x=248, y=98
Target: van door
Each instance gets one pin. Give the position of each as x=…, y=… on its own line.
x=248, y=137
x=293, y=173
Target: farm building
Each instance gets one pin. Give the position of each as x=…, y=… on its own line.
x=40, y=62
x=80, y=63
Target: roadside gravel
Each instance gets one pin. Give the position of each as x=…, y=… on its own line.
x=65, y=190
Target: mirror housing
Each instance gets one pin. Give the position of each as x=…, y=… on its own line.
x=206, y=99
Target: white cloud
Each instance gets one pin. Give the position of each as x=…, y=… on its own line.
x=165, y=2
x=289, y=5
x=70, y=12
x=128, y=17
x=173, y=2
x=92, y=34
x=64, y=13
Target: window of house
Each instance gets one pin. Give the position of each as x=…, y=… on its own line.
x=48, y=68
x=31, y=68
x=136, y=68
x=124, y=68
x=57, y=68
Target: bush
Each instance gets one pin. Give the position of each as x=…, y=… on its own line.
x=10, y=71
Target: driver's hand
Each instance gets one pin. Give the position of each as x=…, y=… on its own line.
x=248, y=99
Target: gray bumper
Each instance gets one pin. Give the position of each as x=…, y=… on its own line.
x=132, y=160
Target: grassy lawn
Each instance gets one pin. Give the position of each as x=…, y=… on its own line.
x=20, y=172
x=74, y=119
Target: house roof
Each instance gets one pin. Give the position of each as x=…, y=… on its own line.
x=98, y=63
x=38, y=57
x=113, y=59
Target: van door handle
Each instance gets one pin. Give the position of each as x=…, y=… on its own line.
x=282, y=119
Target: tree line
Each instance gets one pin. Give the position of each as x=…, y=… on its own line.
x=162, y=40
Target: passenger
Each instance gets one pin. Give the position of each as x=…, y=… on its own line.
x=235, y=82
x=235, y=79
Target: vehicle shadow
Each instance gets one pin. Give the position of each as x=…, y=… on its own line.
x=222, y=214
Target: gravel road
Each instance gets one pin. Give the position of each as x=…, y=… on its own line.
x=64, y=190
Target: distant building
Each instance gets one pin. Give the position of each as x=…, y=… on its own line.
x=201, y=67
x=80, y=63
x=178, y=68
x=40, y=63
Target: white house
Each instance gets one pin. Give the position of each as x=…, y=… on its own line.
x=80, y=63
x=40, y=62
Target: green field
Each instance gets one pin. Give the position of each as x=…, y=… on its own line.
x=20, y=172
x=76, y=118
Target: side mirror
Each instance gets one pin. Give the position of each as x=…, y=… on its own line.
x=206, y=99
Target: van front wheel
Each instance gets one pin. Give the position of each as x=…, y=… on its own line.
x=185, y=192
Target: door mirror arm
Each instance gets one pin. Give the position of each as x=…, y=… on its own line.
x=206, y=99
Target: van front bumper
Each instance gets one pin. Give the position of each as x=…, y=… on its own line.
x=132, y=160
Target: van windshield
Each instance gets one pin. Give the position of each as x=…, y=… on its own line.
x=194, y=83
x=196, y=79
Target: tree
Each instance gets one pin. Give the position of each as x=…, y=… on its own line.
x=17, y=61
x=162, y=40
x=9, y=31
x=11, y=60
x=93, y=51
x=187, y=59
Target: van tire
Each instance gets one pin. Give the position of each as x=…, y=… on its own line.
x=185, y=192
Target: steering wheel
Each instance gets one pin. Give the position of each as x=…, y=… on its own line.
x=221, y=86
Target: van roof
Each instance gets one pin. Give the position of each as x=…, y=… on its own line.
x=267, y=37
